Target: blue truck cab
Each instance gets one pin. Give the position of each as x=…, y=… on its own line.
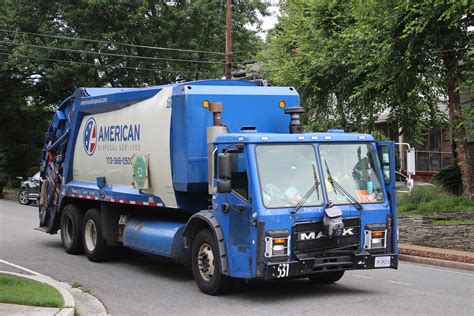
x=219, y=175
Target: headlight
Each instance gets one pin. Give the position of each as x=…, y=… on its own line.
x=276, y=246
x=375, y=236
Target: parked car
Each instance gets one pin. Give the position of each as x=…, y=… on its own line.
x=404, y=184
x=29, y=189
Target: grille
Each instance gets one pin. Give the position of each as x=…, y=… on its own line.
x=307, y=237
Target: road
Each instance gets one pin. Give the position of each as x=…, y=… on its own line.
x=143, y=285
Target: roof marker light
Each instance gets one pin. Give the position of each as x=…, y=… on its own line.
x=300, y=137
x=264, y=138
x=362, y=137
x=241, y=139
x=314, y=137
x=327, y=137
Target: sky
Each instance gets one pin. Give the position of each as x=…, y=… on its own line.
x=268, y=22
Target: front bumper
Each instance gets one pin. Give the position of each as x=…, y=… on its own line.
x=304, y=267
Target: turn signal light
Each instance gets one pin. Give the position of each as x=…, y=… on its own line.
x=282, y=104
x=279, y=241
x=377, y=234
x=205, y=104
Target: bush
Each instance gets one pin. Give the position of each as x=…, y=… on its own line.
x=429, y=198
x=423, y=194
x=447, y=203
x=450, y=179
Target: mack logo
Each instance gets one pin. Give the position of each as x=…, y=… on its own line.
x=312, y=235
x=348, y=231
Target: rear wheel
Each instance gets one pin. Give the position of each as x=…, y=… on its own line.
x=94, y=245
x=206, y=265
x=326, y=277
x=23, y=197
x=71, y=229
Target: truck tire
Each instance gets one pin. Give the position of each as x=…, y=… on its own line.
x=94, y=245
x=206, y=265
x=326, y=277
x=71, y=229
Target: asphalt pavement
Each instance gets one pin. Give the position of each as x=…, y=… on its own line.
x=144, y=285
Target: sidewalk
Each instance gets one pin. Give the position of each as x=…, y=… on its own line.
x=437, y=256
x=74, y=298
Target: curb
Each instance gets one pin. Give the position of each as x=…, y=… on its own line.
x=438, y=262
x=74, y=298
x=69, y=303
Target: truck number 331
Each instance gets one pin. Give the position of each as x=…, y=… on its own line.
x=283, y=270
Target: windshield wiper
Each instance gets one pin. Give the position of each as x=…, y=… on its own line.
x=314, y=187
x=336, y=184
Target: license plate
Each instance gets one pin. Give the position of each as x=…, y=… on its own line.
x=382, y=262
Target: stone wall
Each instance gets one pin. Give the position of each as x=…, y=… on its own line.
x=416, y=227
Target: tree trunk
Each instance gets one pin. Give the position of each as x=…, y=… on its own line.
x=340, y=112
x=456, y=117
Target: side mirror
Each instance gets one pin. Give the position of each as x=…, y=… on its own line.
x=384, y=156
x=224, y=166
x=224, y=173
x=411, y=165
x=224, y=185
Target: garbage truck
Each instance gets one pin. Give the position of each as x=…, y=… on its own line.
x=218, y=175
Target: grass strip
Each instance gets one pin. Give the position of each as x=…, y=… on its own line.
x=454, y=222
x=17, y=290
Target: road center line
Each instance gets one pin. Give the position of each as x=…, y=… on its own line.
x=398, y=282
x=21, y=268
x=363, y=276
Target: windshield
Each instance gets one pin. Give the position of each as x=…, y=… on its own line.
x=287, y=173
x=354, y=167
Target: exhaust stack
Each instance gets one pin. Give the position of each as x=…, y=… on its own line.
x=295, y=123
x=212, y=132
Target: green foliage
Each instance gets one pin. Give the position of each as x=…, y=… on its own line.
x=450, y=179
x=429, y=198
x=453, y=222
x=16, y=290
x=422, y=194
x=379, y=135
x=353, y=60
x=447, y=203
x=96, y=43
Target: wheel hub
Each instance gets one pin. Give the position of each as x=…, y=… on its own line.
x=206, y=262
x=68, y=231
x=90, y=235
x=23, y=196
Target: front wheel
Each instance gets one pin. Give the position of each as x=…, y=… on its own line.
x=206, y=265
x=326, y=277
x=23, y=197
x=94, y=244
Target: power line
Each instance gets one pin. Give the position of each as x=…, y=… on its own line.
x=112, y=54
x=114, y=43
x=418, y=54
x=106, y=66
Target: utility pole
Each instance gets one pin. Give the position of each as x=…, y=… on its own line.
x=228, y=41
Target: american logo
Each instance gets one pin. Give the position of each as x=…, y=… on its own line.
x=90, y=137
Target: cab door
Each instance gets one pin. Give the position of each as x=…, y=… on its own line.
x=386, y=154
x=233, y=208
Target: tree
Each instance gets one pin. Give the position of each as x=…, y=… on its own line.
x=50, y=48
x=353, y=60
